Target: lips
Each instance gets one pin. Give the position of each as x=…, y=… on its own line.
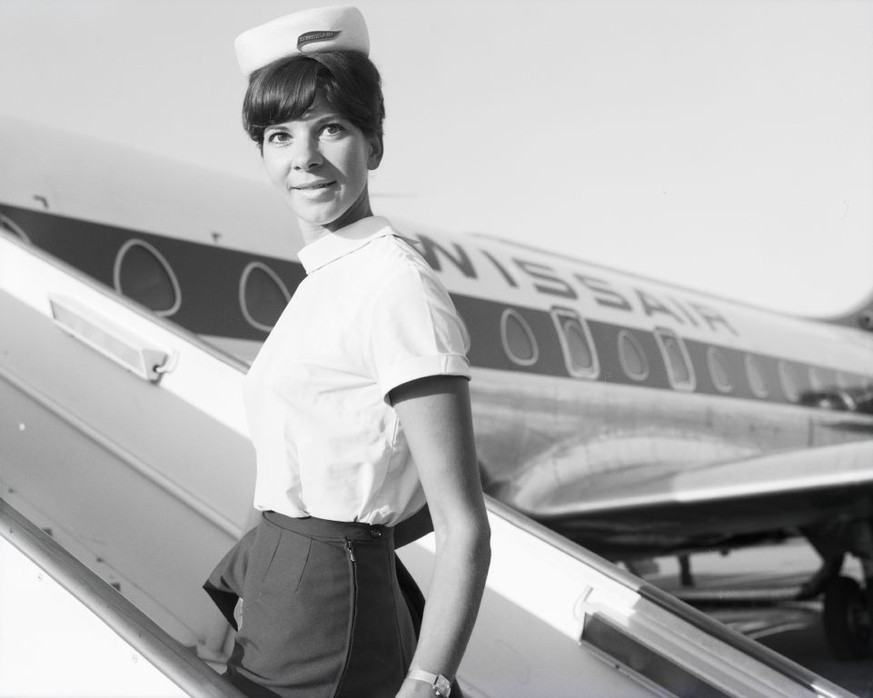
x=313, y=186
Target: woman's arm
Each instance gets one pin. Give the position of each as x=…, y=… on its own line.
x=435, y=415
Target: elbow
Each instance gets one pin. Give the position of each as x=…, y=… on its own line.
x=476, y=546
x=470, y=539
x=485, y=536
x=482, y=545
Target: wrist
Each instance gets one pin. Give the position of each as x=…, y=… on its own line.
x=437, y=684
x=415, y=689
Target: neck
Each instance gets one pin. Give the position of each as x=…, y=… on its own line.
x=313, y=231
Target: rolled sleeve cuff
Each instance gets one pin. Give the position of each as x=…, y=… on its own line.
x=422, y=367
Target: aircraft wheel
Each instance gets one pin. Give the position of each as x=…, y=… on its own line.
x=847, y=619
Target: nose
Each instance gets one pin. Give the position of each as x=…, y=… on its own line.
x=306, y=154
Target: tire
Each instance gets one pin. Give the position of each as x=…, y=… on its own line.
x=847, y=619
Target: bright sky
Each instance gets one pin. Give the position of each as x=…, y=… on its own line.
x=725, y=145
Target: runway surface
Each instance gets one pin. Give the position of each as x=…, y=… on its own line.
x=793, y=629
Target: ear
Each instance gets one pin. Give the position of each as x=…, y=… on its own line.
x=376, y=152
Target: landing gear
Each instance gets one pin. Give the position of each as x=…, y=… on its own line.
x=848, y=605
x=686, y=578
x=848, y=621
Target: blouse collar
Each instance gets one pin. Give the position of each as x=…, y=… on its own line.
x=332, y=246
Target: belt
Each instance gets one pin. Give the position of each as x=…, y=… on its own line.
x=325, y=528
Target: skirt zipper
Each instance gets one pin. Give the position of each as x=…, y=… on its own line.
x=354, y=614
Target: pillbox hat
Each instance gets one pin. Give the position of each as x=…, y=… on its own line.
x=308, y=31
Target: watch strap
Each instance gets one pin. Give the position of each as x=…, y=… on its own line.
x=440, y=684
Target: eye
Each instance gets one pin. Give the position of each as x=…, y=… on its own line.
x=278, y=137
x=333, y=129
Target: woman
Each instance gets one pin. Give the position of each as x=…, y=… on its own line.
x=358, y=405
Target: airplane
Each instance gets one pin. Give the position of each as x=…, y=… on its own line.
x=632, y=416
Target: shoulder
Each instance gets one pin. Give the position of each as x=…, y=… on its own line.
x=400, y=253
x=403, y=272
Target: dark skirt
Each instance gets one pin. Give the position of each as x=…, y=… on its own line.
x=323, y=614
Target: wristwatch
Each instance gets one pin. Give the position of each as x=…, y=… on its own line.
x=441, y=686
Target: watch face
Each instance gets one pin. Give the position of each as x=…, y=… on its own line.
x=442, y=687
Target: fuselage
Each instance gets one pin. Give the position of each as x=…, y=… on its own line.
x=585, y=379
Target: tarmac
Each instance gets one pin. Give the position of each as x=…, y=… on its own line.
x=794, y=629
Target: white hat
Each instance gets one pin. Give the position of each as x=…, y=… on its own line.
x=309, y=31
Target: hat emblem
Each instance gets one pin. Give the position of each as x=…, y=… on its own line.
x=312, y=37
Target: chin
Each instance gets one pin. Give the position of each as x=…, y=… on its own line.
x=314, y=218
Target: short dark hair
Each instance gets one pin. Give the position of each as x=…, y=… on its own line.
x=286, y=88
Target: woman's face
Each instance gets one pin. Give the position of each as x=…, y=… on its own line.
x=320, y=163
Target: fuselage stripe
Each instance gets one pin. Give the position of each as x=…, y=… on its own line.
x=209, y=279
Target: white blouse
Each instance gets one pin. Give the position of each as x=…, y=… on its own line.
x=369, y=316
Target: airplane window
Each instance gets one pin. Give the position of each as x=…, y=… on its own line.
x=676, y=358
x=789, y=379
x=262, y=296
x=11, y=226
x=577, y=344
x=718, y=370
x=519, y=342
x=632, y=357
x=579, y=350
x=817, y=381
x=757, y=376
x=143, y=274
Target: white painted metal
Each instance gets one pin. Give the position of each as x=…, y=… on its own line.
x=41, y=647
x=542, y=592
x=66, y=632
x=147, y=484
x=115, y=342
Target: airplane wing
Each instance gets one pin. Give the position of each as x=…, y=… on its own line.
x=719, y=504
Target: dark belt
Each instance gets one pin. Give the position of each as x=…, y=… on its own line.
x=324, y=528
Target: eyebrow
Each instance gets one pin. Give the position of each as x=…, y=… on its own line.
x=320, y=121
x=330, y=116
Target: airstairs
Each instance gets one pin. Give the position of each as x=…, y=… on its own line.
x=123, y=437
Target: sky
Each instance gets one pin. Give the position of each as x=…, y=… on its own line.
x=725, y=145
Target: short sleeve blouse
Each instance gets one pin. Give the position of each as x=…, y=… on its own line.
x=369, y=316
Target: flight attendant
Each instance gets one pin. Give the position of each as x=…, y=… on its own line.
x=358, y=406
